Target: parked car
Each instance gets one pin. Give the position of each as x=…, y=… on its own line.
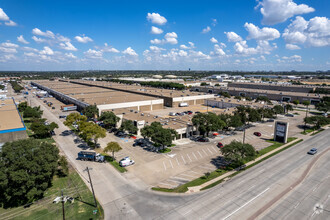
x=197, y=112
x=219, y=145
x=270, y=120
x=53, y=107
x=189, y=112
x=257, y=134
x=121, y=134
x=114, y=130
x=202, y=139
x=62, y=116
x=289, y=115
x=126, y=161
x=312, y=151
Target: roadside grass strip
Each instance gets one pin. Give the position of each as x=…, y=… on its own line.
x=317, y=132
x=219, y=172
x=114, y=163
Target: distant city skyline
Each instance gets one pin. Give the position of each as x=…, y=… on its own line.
x=278, y=35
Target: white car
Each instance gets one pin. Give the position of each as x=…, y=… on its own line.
x=126, y=161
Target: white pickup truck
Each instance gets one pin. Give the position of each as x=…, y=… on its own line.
x=126, y=161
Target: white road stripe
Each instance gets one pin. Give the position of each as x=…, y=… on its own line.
x=177, y=161
x=246, y=204
x=194, y=155
x=171, y=163
x=200, y=154
x=183, y=160
x=210, y=151
x=189, y=157
x=204, y=152
x=164, y=165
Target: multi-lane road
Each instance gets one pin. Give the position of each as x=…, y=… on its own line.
x=124, y=196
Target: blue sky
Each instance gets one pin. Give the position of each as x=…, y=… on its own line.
x=172, y=35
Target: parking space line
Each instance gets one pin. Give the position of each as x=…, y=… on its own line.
x=177, y=161
x=214, y=149
x=200, y=154
x=210, y=151
x=194, y=155
x=164, y=165
x=171, y=163
x=183, y=159
x=204, y=152
x=189, y=157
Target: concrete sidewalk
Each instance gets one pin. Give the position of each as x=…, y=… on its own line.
x=198, y=188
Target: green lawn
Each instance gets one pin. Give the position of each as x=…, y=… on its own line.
x=73, y=186
x=273, y=146
x=317, y=132
x=166, y=150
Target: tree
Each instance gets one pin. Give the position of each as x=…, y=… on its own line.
x=278, y=109
x=235, y=121
x=89, y=130
x=109, y=119
x=306, y=103
x=206, y=122
x=41, y=129
x=324, y=105
x=27, y=168
x=74, y=118
x=63, y=168
x=224, y=94
x=253, y=115
x=91, y=111
x=263, y=98
x=296, y=102
x=318, y=121
x=128, y=125
x=288, y=108
x=22, y=106
x=149, y=130
x=34, y=112
x=236, y=152
x=112, y=147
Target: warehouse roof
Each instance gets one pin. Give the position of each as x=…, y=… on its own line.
x=9, y=116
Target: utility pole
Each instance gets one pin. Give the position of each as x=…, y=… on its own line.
x=244, y=135
x=90, y=181
x=63, y=212
x=305, y=119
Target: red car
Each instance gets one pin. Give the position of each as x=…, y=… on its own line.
x=257, y=134
x=219, y=145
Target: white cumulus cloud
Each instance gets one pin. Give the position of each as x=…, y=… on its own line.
x=233, y=37
x=49, y=34
x=94, y=54
x=261, y=34
x=213, y=40
x=84, y=39
x=278, y=11
x=291, y=59
x=156, y=30
x=47, y=51
x=312, y=33
x=67, y=46
x=206, y=30
x=130, y=51
x=292, y=47
x=4, y=17
x=156, y=18
x=22, y=40
x=170, y=38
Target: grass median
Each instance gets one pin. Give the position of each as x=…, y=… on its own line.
x=114, y=163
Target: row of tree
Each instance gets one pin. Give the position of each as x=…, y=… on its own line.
x=207, y=122
x=17, y=87
x=155, y=84
x=87, y=130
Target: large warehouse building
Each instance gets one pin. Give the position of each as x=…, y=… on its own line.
x=12, y=127
x=105, y=99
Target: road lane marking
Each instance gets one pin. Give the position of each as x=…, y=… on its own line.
x=171, y=164
x=204, y=152
x=189, y=158
x=215, y=150
x=246, y=203
x=164, y=165
x=200, y=154
x=297, y=205
x=194, y=155
x=177, y=161
x=210, y=151
x=183, y=160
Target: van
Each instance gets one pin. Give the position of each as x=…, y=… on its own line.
x=126, y=162
x=183, y=104
x=172, y=114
